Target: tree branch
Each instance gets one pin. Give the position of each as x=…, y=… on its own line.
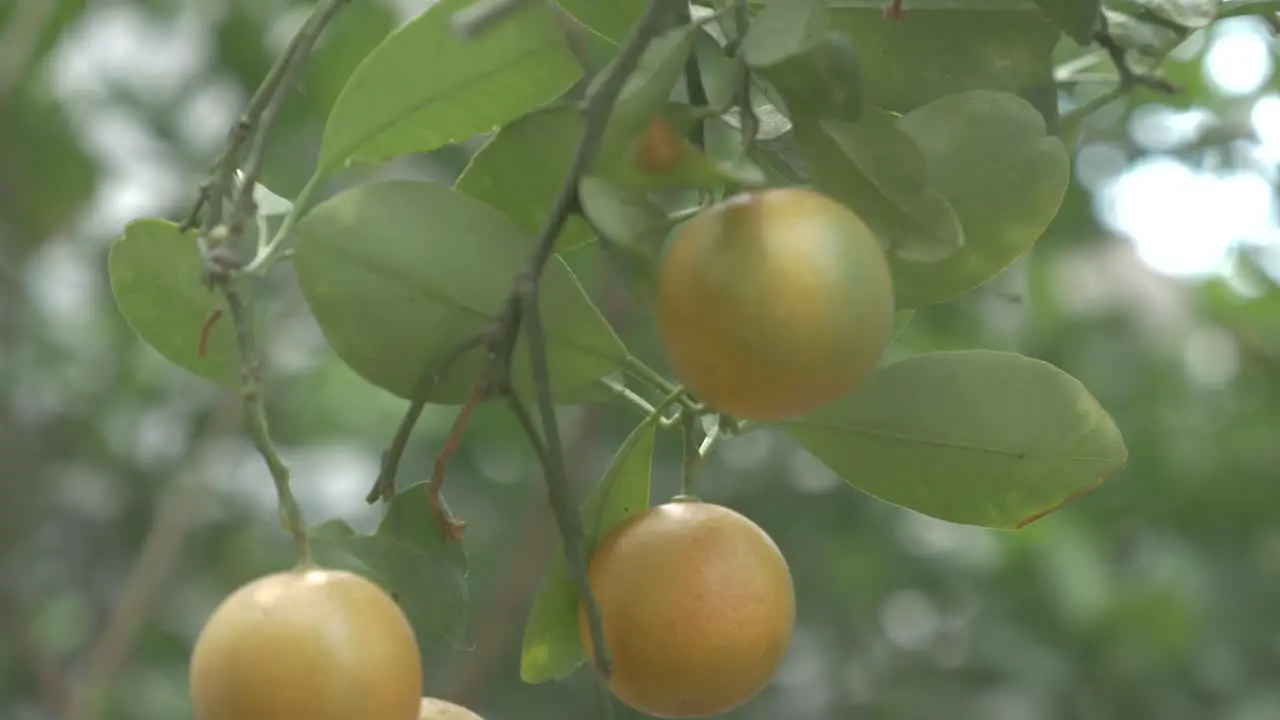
x=384, y=487
x=220, y=234
x=1129, y=78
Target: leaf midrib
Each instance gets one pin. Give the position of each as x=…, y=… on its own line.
x=441, y=95
x=391, y=275
x=938, y=442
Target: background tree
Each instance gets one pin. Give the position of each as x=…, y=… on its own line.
x=134, y=500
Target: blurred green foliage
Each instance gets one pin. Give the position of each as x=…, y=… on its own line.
x=1150, y=598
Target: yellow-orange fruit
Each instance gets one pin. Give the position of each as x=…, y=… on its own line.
x=697, y=608
x=307, y=645
x=771, y=304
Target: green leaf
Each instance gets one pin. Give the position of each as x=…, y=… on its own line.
x=649, y=86
x=631, y=227
x=719, y=71
x=269, y=204
x=1078, y=18
x=520, y=169
x=399, y=273
x=825, y=81
x=948, y=46
x=155, y=278
x=612, y=19
x=551, y=647
x=425, y=87
x=409, y=557
x=784, y=30
x=973, y=437
x=901, y=319
x=876, y=169
x=989, y=155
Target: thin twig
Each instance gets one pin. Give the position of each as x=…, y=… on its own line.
x=219, y=239
x=1129, y=78
x=560, y=500
x=524, y=300
x=503, y=614
x=748, y=123
x=255, y=412
x=449, y=526
x=384, y=487
x=690, y=455
x=694, y=89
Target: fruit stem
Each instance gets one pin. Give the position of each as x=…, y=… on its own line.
x=643, y=372
x=691, y=455
x=709, y=442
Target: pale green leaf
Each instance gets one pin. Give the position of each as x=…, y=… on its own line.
x=974, y=437
x=425, y=86
x=155, y=278
x=551, y=647
x=399, y=273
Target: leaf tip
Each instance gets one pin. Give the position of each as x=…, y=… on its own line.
x=1059, y=505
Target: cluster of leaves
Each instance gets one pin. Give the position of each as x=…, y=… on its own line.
x=937, y=128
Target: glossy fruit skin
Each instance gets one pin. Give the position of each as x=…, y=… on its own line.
x=697, y=606
x=771, y=304
x=435, y=709
x=311, y=644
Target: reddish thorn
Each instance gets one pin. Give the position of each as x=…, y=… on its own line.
x=894, y=11
x=205, y=330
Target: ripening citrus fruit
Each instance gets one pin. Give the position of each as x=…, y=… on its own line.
x=697, y=605
x=660, y=148
x=434, y=709
x=307, y=645
x=773, y=303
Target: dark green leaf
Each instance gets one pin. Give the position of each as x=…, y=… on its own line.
x=519, y=171
x=825, y=81
x=619, y=214
x=408, y=556
x=876, y=169
x=612, y=19
x=425, y=87
x=631, y=226
x=552, y=648
x=1077, y=18
x=649, y=87
x=947, y=46
x=719, y=71
x=399, y=273
x=973, y=437
x=784, y=30
x=155, y=278
x=990, y=157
